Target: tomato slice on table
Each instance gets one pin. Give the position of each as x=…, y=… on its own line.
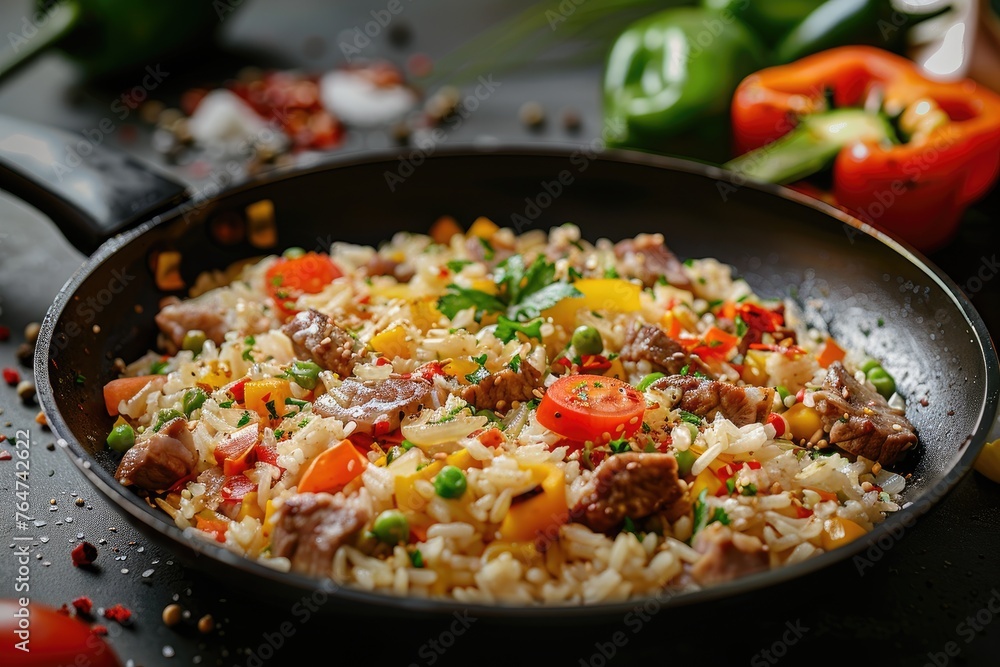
x=291, y=277
x=591, y=407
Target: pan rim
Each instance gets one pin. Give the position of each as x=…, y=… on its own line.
x=133, y=505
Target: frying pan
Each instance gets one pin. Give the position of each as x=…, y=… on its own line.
x=872, y=293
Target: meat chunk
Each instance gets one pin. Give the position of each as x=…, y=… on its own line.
x=706, y=398
x=315, y=336
x=664, y=354
x=632, y=485
x=214, y=479
x=379, y=265
x=158, y=462
x=647, y=258
x=378, y=406
x=497, y=391
x=727, y=555
x=860, y=420
x=310, y=527
x=204, y=313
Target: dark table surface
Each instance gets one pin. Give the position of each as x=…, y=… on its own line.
x=930, y=599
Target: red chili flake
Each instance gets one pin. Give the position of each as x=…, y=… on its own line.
x=64, y=610
x=5, y=455
x=99, y=630
x=11, y=376
x=382, y=361
x=118, y=613
x=4, y=333
x=84, y=553
x=83, y=605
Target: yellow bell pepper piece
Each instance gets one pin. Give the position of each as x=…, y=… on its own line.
x=988, y=462
x=391, y=290
x=483, y=227
x=706, y=479
x=250, y=507
x=407, y=498
x=616, y=370
x=602, y=294
x=754, y=368
x=541, y=515
x=424, y=314
x=460, y=368
x=803, y=421
x=393, y=343
x=838, y=531
x=259, y=393
x=217, y=374
x=484, y=285
x=267, y=525
x=462, y=459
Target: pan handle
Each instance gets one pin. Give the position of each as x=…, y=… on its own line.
x=90, y=191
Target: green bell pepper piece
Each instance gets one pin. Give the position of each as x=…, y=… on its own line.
x=772, y=19
x=670, y=77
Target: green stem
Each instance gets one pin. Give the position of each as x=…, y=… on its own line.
x=812, y=145
x=62, y=18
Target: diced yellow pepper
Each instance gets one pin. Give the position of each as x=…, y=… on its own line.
x=424, y=314
x=460, y=368
x=616, y=370
x=612, y=295
x=258, y=393
x=803, y=421
x=250, y=507
x=393, y=343
x=484, y=285
x=462, y=459
x=391, y=290
x=754, y=367
x=838, y=531
x=269, y=519
x=216, y=374
x=407, y=498
x=540, y=516
x=988, y=462
x=706, y=479
x=483, y=227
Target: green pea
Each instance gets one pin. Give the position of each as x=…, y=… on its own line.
x=647, y=381
x=194, y=340
x=193, y=399
x=587, y=340
x=870, y=364
x=685, y=460
x=293, y=253
x=883, y=382
x=391, y=527
x=304, y=373
x=165, y=416
x=407, y=445
x=121, y=438
x=450, y=482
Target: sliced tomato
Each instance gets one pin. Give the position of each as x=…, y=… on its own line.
x=237, y=486
x=39, y=635
x=290, y=278
x=591, y=407
x=761, y=319
x=235, y=453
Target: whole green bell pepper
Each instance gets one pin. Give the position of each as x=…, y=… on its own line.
x=107, y=37
x=670, y=77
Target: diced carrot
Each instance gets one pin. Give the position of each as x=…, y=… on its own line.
x=235, y=453
x=716, y=343
x=123, y=389
x=333, y=469
x=830, y=353
x=443, y=229
x=214, y=527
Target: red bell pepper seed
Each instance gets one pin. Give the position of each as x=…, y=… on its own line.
x=83, y=605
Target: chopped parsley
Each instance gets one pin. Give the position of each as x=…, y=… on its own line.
x=689, y=262
x=457, y=299
x=685, y=368
x=619, y=446
x=690, y=418
x=488, y=252
x=244, y=420
x=662, y=280
x=296, y=402
x=416, y=558
x=249, y=341
x=278, y=432
x=629, y=527
x=741, y=327
x=731, y=484
x=611, y=272
x=226, y=404
x=515, y=363
x=450, y=415
x=646, y=428
x=456, y=265
x=574, y=274
x=702, y=517
x=159, y=367
x=271, y=411
x=303, y=423
x=507, y=329
x=476, y=376
x=750, y=490
x=79, y=379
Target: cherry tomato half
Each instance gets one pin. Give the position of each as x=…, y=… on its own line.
x=591, y=407
x=53, y=638
x=291, y=277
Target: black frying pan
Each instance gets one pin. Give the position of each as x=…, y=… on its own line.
x=869, y=290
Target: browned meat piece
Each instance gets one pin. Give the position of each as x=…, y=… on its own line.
x=705, y=398
x=213, y=478
x=665, y=355
x=632, y=485
x=647, y=258
x=860, y=420
x=727, y=555
x=310, y=527
x=378, y=406
x=159, y=462
x=497, y=391
x=315, y=336
x=379, y=265
x=203, y=313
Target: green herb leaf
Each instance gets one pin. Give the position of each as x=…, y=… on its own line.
x=720, y=515
x=488, y=252
x=515, y=363
x=532, y=306
x=456, y=265
x=508, y=329
x=731, y=484
x=416, y=558
x=700, y=513
x=244, y=420
x=271, y=411
x=741, y=327
x=159, y=367
x=226, y=404
x=750, y=490
x=619, y=446
x=690, y=418
x=457, y=299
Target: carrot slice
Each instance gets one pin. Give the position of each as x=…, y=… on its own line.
x=333, y=469
x=123, y=389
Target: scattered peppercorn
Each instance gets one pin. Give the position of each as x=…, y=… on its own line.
x=79, y=502
x=25, y=354
x=532, y=114
x=11, y=376
x=206, y=624
x=31, y=332
x=171, y=615
x=571, y=120
x=84, y=553
x=25, y=391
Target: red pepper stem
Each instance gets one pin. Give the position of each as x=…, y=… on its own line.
x=60, y=20
x=812, y=145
